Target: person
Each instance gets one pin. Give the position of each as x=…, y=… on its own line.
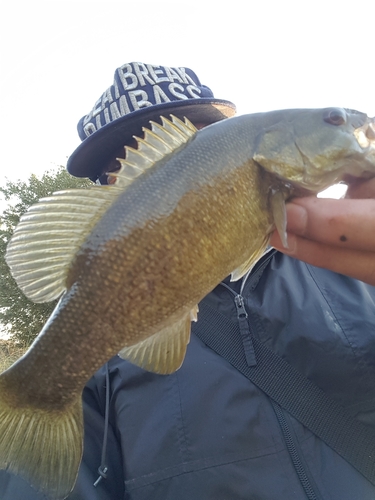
x=315, y=226
x=206, y=431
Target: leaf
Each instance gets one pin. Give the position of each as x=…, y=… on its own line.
x=19, y=317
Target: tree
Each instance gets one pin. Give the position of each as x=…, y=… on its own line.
x=19, y=317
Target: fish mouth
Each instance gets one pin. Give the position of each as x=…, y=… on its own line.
x=358, y=169
x=312, y=186
x=365, y=135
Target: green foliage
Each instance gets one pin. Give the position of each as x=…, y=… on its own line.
x=19, y=317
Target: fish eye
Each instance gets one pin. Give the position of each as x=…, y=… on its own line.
x=335, y=116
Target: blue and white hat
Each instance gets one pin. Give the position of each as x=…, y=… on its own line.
x=140, y=93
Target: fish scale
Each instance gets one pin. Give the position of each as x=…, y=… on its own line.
x=187, y=209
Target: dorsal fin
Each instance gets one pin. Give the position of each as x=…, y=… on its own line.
x=51, y=232
x=48, y=236
x=158, y=142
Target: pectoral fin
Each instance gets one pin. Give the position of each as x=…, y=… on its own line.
x=278, y=208
x=164, y=351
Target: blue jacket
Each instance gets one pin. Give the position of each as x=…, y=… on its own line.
x=206, y=432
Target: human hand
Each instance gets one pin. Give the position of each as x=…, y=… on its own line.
x=334, y=234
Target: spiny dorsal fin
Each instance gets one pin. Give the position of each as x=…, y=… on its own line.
x=158, y=142
x=51, y=232
x=164, y=351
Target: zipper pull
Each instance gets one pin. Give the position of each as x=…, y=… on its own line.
x=245, y=331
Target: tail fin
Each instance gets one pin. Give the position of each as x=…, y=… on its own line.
x=43, y=446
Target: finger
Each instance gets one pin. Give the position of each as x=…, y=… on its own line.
x=342, y=223
x=353, y=263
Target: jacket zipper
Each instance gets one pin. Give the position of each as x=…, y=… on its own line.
x=293, y=452
x=247, y=336
x=242, y=316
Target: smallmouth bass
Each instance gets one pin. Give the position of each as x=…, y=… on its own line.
x=134, y=259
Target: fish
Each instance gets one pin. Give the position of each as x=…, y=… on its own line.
x=131, y=260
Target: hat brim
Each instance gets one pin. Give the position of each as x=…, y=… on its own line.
x=92, y=155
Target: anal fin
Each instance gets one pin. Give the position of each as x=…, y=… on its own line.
x=164, y=351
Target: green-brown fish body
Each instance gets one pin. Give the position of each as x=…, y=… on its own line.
x=135, y=258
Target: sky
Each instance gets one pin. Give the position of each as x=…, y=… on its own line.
x=58, y=57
